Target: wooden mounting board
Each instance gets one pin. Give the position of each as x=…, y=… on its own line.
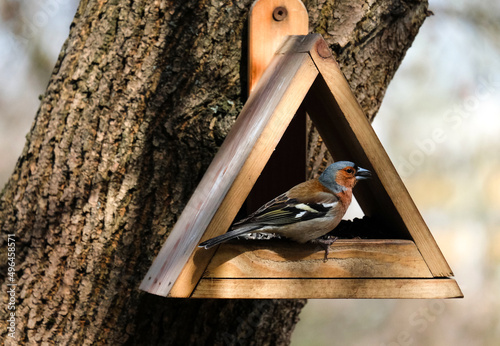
x=269, y=23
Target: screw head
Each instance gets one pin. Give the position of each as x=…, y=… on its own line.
x=280, y=13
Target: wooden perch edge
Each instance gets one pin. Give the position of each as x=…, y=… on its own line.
x=380, y=288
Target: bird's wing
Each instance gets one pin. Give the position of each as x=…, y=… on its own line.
x=284, y=210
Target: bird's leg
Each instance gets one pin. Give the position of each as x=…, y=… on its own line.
x=325, y=244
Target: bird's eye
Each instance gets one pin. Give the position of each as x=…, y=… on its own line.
x=350, y=170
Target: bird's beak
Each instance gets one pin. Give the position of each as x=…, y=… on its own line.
x=362, y=173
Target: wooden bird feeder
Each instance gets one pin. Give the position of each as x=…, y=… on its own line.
x=290, y=70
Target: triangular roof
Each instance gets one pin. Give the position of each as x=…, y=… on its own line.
x=303, y=72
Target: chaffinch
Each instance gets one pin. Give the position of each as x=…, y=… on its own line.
x=305, y=212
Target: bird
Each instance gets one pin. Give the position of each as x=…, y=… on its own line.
x=306, y=212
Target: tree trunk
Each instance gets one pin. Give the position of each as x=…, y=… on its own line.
x=142, y=95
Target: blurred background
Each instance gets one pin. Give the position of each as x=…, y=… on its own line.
x=440, y=124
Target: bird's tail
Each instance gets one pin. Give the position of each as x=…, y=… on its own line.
x=227, y=236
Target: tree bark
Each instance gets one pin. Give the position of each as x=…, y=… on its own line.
x=141, y=97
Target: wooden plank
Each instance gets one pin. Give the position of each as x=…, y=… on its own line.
x=437, y=288
x=270, y=21
x=348, y=135
x=354, y=258
x=231, y=174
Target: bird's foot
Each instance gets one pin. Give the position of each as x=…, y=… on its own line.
x=325, y=244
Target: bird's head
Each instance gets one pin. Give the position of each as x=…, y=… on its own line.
x=343, y=174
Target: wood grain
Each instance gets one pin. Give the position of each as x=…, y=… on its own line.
x=354, y=258
x=265, y=33
x=327, y=288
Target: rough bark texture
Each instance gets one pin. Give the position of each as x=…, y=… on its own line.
x=141, y=97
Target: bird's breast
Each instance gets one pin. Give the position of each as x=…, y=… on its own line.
x=345, y=198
